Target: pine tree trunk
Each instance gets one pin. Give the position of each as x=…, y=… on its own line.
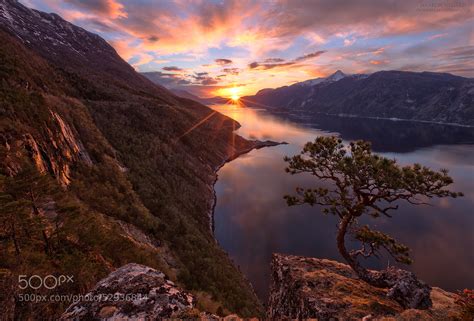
x=372, y=278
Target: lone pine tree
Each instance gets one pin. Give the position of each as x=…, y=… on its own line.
x=363, y=183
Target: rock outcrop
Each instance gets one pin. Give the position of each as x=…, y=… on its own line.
x=138, y=292
x=311, y=288
x=132, y=292
x=54, y=149
x=407, y=289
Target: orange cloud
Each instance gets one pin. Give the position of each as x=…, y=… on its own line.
x=143, y=32
x=206, y=26
x=128, y=52
x=124, y=49
x=106, y=8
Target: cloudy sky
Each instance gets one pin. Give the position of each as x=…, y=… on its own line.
x=211, y=46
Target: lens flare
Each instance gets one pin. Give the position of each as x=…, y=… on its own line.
x=234, y=93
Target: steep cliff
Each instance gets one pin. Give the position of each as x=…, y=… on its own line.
x=135, y=162
x=310, y=288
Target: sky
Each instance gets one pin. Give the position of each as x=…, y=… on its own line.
x=222, y=48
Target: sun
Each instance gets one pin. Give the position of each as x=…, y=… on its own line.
x=234, y=93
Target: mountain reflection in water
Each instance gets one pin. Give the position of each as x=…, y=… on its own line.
x=252, y=220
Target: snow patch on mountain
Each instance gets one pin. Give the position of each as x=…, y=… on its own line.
x=49, y=31
x=338, y=75
x=4, y=13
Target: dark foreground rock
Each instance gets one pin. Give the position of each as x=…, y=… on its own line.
x=310, y=288
x=134, y=292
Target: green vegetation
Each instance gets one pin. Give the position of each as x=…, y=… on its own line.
x=40, y=236
x=141, y=176
x=170, y=179
x=363, y=183
x=20, y=209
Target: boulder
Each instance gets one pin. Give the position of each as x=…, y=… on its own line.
x=407, y=289
x=132, y=292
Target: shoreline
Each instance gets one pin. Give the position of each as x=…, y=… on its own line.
x=396, y=119
x=255, y=144
x=343, y=115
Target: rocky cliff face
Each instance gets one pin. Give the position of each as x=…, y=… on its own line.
x=310, y=288
x=54, y=152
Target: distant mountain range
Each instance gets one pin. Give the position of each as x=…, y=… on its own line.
x=425, y=96
x=203, y=100
x=183, y=93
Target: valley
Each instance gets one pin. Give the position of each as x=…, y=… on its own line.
x=152, y=155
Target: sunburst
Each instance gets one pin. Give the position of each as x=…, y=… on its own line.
x=234, y=94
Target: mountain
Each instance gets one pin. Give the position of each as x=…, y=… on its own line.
x=214, y=100
x=426, y=96
x=338, y=75
x=284, y=96
x=99, y=167
x=185, y=94
x=206, y=101
x=180, y=91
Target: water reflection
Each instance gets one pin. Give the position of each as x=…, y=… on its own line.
x=391, y=136
x=252, y=219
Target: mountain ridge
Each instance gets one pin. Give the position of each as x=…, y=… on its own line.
x=424, y=96
x=181, y=91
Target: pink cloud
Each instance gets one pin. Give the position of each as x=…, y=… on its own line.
x=144, y=32
x=109, y=8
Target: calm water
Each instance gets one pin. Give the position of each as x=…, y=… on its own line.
x=252, y=220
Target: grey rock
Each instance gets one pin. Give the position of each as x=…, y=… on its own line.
x=407, y=289
x=132, y=292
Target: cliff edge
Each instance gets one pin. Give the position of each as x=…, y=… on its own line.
x=311, y=288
